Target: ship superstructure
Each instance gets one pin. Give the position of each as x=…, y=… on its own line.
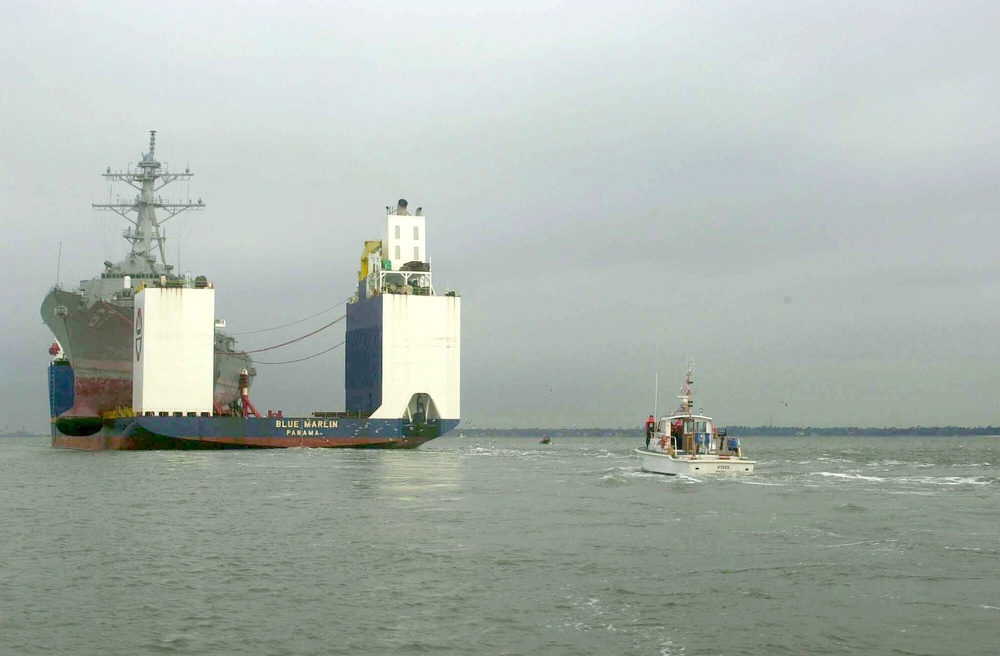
x=403, y=338
x=93, y=324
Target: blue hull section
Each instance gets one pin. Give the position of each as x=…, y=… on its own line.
x=363, y=356
x=61, y=388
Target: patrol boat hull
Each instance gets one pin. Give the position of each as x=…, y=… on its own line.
x=662, y=463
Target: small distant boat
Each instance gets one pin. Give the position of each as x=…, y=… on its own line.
x=688, y=443
x=13, y=432
x=545, y=440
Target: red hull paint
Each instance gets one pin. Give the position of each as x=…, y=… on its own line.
x=94, y=442
x=93, y=396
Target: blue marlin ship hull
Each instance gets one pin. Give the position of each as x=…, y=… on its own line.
x=214, y=432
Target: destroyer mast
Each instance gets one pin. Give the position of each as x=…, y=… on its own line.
x=148, y=179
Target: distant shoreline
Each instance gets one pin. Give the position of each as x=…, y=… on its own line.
x=760, y=431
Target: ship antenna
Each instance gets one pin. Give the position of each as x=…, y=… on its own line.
x=152, y=142
x=58, y=264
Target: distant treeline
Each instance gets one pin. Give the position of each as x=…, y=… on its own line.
x=769, y=431
x=538, y=432
x=940, y=431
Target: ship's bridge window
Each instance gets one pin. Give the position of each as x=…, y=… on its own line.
x=416, y=233
x=700, y=426
x=416, y=252
x=397, y=232
x=397, y=248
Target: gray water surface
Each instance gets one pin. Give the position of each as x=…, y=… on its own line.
x=506, y=546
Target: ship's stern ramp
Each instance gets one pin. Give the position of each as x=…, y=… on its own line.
x=419, y=353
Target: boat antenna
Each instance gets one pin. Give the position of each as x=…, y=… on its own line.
x=59, y=264
x=656, y=393
x=656, y=380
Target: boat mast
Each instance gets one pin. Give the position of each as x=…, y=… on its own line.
x=687, y=391
x=149, y=178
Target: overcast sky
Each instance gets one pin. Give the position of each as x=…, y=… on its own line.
x=802, y=197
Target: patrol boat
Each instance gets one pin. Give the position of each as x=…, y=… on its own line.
x=691, y=444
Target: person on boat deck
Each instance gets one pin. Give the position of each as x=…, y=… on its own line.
x=677, y=431
x=733, y=445
x=650, y=427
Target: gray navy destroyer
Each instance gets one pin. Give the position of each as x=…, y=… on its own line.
x=93, y=324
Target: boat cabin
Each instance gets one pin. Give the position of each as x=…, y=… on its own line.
x=684, y=434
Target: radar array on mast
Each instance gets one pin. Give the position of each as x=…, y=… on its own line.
x=148, y=178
